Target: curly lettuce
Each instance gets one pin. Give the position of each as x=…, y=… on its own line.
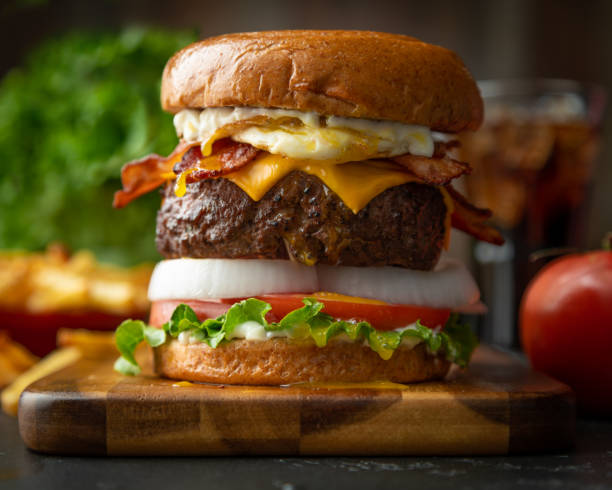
x=78, y=108
x=455, y=342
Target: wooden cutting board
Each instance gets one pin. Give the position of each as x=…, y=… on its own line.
x=497, y=406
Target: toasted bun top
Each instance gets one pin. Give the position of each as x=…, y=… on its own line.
x=344, y=73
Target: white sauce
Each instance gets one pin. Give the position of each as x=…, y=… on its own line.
x=410, y=342
x=337, y=138
x=255, y=331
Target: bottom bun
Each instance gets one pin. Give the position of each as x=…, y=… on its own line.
x=282, y=361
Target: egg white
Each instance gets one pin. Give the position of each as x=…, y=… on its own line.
x=304, y=135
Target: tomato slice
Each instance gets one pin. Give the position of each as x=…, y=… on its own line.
x=161, y=311
x=380, y=315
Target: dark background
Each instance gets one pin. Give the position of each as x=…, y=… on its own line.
x=496, y=39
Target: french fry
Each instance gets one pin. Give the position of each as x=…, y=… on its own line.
x=8, y=372
x=53, y=362
x=14, y=359
x=92, y=344
x=57, y=281
x=20, y=357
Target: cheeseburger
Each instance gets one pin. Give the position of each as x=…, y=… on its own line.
x=305, y=211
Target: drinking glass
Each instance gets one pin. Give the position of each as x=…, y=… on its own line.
x=532, y=162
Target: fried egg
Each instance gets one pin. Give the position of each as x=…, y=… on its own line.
x=303, y=135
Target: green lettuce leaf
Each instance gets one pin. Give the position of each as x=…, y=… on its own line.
x=128, y=336
x=455, y=342
x=459, y=341
x=124, y=366
x=248, y=310
x=183, y=318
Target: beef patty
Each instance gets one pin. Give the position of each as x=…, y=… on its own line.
x=301, y=219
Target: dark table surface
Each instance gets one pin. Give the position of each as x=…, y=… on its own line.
x=588, y=466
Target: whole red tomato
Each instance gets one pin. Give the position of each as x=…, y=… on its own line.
x=566, y=326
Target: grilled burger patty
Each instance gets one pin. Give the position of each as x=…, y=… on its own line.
x=302, y=219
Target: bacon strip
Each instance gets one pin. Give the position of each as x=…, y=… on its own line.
x=471, y=219
x=148, y=173
x=144, y=175
x=441, y=148
x=437, y=170
x=230, y=154
x=434, y=171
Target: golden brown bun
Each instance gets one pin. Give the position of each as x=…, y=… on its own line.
x=344, y=73
x=281, y=361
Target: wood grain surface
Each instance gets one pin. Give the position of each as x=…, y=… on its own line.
x=497, y=406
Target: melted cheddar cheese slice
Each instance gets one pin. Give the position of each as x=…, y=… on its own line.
x=356, y=183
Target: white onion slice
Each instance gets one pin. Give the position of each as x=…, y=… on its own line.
x=449, y=285
x=204, y=279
